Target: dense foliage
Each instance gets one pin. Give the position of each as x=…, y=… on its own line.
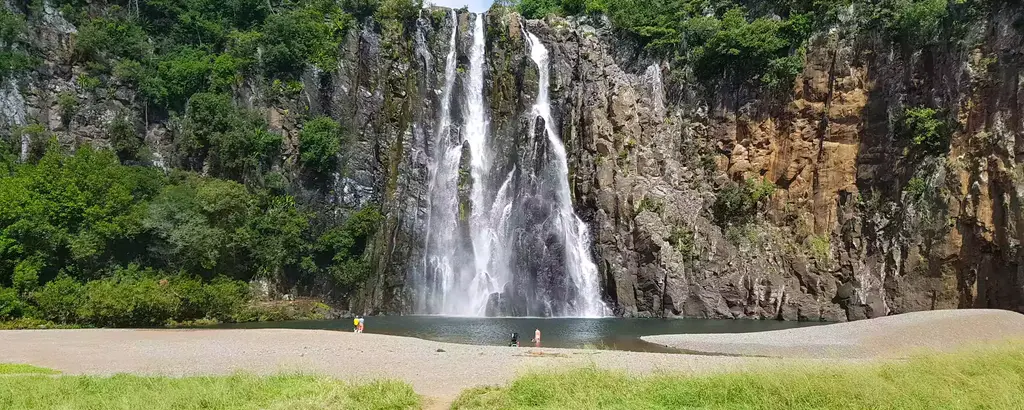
x=760, y=43
x=85, y=239
x=925, y=130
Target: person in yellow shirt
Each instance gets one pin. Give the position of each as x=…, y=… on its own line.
x=355, y=324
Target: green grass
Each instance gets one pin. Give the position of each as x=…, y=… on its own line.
x=225, y=392
x=14, y=368
x=981, y=379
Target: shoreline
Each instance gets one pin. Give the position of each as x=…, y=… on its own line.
x=889, y=337
x=442, y=370
x=434, y=369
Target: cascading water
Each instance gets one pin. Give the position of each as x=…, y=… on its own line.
x=489, y=261
x=574, y=233
x=441, y=262
x=521, y=250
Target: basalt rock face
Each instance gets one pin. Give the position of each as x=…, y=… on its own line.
x=841, y=238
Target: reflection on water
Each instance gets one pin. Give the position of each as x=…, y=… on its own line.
x=604, y=333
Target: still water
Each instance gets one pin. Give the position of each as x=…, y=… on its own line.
x=604, y=333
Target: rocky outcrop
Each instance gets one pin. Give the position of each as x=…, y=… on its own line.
x=841, y=238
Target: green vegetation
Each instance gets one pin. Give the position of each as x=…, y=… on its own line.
x=979, y=379
x=925, y=130
x=821, y=247
x=14, y=368
x=738, y=203
x=232, y=141
x=319, y=144
x=760, y=44
x=682, y=240
x=650, y=204
x=15, y=57
x=86, y=240
x=916, y=188
x=222, y=392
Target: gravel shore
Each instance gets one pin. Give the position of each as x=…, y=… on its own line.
x=434, y=369
x=895, y=336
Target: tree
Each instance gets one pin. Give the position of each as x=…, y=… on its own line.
x=319, y=144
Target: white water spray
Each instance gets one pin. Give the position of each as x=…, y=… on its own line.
x=440, y=262
x=575, y=234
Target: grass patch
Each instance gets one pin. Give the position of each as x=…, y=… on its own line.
x=989, y=378
x=14, y=368
x=223, y=392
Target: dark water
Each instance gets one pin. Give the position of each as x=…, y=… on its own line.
x=605, y=333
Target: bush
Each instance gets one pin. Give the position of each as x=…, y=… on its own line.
x=234, y=141
x=319, y=144
x=737, y=204
x=11, y=306
x=293, y=38
x=218, y=300
x=339, y=251
x=68, y=103
x=925, y=130
x=103, y=39
x=59, y=300
x=131, y=298
x=14, y=56
x=917, y=22
x=537, y=9
x=124, y=139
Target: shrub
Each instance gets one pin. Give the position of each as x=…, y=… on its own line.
x=11, y=306
x=26, y=275
x=737, y=204
x=218, y=300
x=132, y=297
x=536, y=9
x=319, y=143
x=821, y=247
x=293, y=38
x=111, y=38
x=124, y=139
x=14, y=57
x=236, y=141
x=68, y=104
x=682, y=240
x=917, y=22
x=59, y=300
x=925, y=130
x=916, y=187
x=179, y=75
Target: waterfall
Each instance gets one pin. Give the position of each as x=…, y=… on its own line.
x=653, y=75
x=484, y=227
x=512, y=244
x=441, y=263
x=574, y=233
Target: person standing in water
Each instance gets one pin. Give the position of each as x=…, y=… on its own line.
x=536, y=337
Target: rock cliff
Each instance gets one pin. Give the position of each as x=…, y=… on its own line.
x=856, y=226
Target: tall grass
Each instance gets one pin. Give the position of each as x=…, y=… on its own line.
x=224, y=392
x=992, y=378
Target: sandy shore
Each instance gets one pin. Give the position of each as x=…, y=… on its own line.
x=434, y=369
x=443, y=370
x=886, y=337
